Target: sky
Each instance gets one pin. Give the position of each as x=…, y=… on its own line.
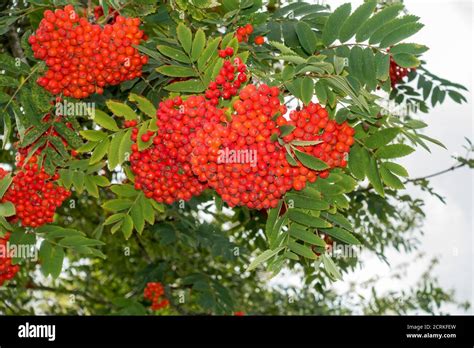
x=448, y=227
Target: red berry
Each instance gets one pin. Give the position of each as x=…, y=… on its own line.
x=259, y=40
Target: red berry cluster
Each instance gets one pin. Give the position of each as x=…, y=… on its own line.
x=7, y=270
x=153, y=292
x=230, y=78
x=34, y=194
x=83, y=57
x=312, y=124
x=243, y=33
x=163, y=170
x=260, y=175
x=397, y=73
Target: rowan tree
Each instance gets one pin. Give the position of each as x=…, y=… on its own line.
x=170, y=157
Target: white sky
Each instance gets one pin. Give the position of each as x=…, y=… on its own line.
x=448, y=228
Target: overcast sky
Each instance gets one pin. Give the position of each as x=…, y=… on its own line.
x=448, y=228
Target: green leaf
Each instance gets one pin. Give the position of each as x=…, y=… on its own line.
x=358, y=161
x=391, y=26
x=394, y=151
x=137, y=218
x=333, y=24
x=5, y=184
x=104, y=120
x=55, y=261
x=7, y=209
x=356, y=63
x=143, y=104
x=7, y=81
x=307, y=220
x=91, y=187
x=409, y=48
x=331, y=267
x=113, y=157
x=73, y=241
x=382, y=137
x=400, y=34
x=341, y=235
x=198, y=45
x=406, y=60
x=121, y=110
x=147, y=209
x=307, y=86
x=369, y=69
x=321, y=93
x=173, y=53
x=176, y=71
x=302, y=250
x=432, y=140
x=374, y=177
x=286, y=129
x=117, y=204
x=114, y=218
x=34, y=134
x=93, y=135
x=100, y=151
x=44, y=255
x=185, y=37
x=293, y=59
x=210, y=50
x=306, y=236
x=78, y=181
x=125, y=147
x=127, y=226
x=395, y=168
x=124, y=190
x=303, y=201
x=356, y=20
x=377, y=21
x=191, y=86
x=310, y=161
x=390, y=179
x=382, y=65
x=266, y=255
x=283, y=49
x=306, y=37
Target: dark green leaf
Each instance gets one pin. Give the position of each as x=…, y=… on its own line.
x=356, y=20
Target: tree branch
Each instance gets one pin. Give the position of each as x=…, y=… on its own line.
x=15, y=44
x=415, y=180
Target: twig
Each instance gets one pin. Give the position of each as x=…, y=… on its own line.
x=15, y=45
x=415, y=180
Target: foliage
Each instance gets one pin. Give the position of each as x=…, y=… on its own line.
x=211, y=258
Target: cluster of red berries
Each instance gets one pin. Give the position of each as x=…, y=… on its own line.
x=243, y=33
x=240, y=159
x=34, y=194
x=153, y=292
x=7, y=270
x=130, y=123
x=397, y=73
x=230, y=78
x=312, y=124
x=163, y=170
x=83, y=57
